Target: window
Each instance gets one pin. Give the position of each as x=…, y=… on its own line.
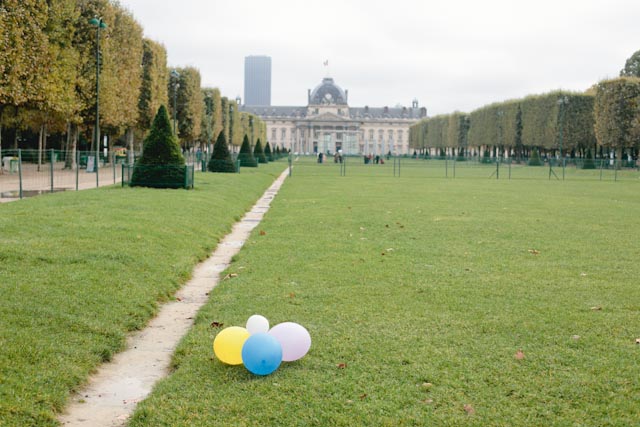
x=283, y=134
x=390, y=132
x=370, y=134
x=273, y=134
x=400, y=135
x=380, y=135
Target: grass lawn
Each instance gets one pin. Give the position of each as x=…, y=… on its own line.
x=430, y=302
x=80, y=269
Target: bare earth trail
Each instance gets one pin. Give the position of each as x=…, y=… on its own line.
x=112, y=393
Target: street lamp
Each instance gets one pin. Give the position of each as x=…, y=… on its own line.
x=175, y=75
x=99, y=24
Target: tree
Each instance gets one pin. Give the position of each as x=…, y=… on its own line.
x=161, y=164
x=190, y=108
x=245, y=156
x=617, y=124
x=258, y=152
x=221, y=160
x=632, y=66
x=155, y=78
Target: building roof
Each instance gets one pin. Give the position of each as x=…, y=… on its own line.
x=328, y=92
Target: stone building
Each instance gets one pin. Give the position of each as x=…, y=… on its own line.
x=328, y=124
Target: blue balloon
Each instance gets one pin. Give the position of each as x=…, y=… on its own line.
x=261, y=354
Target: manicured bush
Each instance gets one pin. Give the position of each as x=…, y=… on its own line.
x=246, y=156
x=267, y=152
x=589, y=163
x=221, y=160
x=161, y=164
x=258, y=152
x=535, y=159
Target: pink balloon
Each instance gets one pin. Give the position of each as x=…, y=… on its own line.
x=294, y=338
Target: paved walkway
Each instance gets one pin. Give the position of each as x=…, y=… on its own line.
x=113, y=392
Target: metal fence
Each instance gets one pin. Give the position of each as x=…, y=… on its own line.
x=25, y=173
x=469, y=168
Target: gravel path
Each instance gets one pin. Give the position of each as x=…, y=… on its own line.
x=112, y=393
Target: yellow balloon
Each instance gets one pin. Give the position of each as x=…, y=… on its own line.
x=227, y=345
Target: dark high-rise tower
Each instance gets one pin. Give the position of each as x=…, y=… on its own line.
x=257, y=80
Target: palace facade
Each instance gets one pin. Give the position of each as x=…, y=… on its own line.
x=327, y=124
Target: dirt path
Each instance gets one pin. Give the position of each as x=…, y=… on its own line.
x=112, y=393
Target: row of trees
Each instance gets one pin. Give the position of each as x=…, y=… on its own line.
x=48, y=81
x=605, y=119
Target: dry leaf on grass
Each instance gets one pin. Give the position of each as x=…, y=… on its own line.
x=469, y=409
x=519, y=355
x=230, y=276
x=637, y=340
x=596, y=308
x=217, y=324
x=341, y=365
x=263, y=233
x=534, y=251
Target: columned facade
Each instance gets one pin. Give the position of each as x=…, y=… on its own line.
x=328, y=125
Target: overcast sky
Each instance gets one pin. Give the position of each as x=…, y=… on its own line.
x=450, y=55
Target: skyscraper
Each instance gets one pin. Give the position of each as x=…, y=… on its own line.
x=257, y=80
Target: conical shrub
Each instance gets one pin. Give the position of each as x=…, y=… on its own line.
x=535, y=159
x=589, y=162
x=246, y=156
x=161, y=164
x=267, y=152
x=258, y=152
x=221, y=160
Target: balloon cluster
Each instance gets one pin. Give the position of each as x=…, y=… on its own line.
x=259, y=348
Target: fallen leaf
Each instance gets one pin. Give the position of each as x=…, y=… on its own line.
x=292, y=295
x=637, y=340
x=575, y=337
x=596, y=308
x=178, y=299
x=534, y=251
x=229, y=276
x=217, y=324
x=427, y=385
x=519, y=355
x=362, y=396
x=583, y=274
x=469, y=409
x=263, y=233
x=427, y=401
x=390, y=249
x=341, y=365
x=362, y=229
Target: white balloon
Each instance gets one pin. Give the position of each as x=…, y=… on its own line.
x=257, y=324
x=294, y=338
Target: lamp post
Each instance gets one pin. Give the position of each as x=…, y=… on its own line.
x=175, y=75
x=99, y=24
x=562, y=102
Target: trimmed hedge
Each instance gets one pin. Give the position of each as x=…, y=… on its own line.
x=161, y=164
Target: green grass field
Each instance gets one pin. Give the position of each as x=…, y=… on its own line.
x=430, y=302
x=80, y=269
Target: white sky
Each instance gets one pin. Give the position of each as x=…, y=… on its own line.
x=450, y=55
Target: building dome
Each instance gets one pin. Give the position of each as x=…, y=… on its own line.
x=328, y=92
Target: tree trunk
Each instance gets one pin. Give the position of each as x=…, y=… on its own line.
x=129, y=139
x=68, y=155
x=40, y=146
